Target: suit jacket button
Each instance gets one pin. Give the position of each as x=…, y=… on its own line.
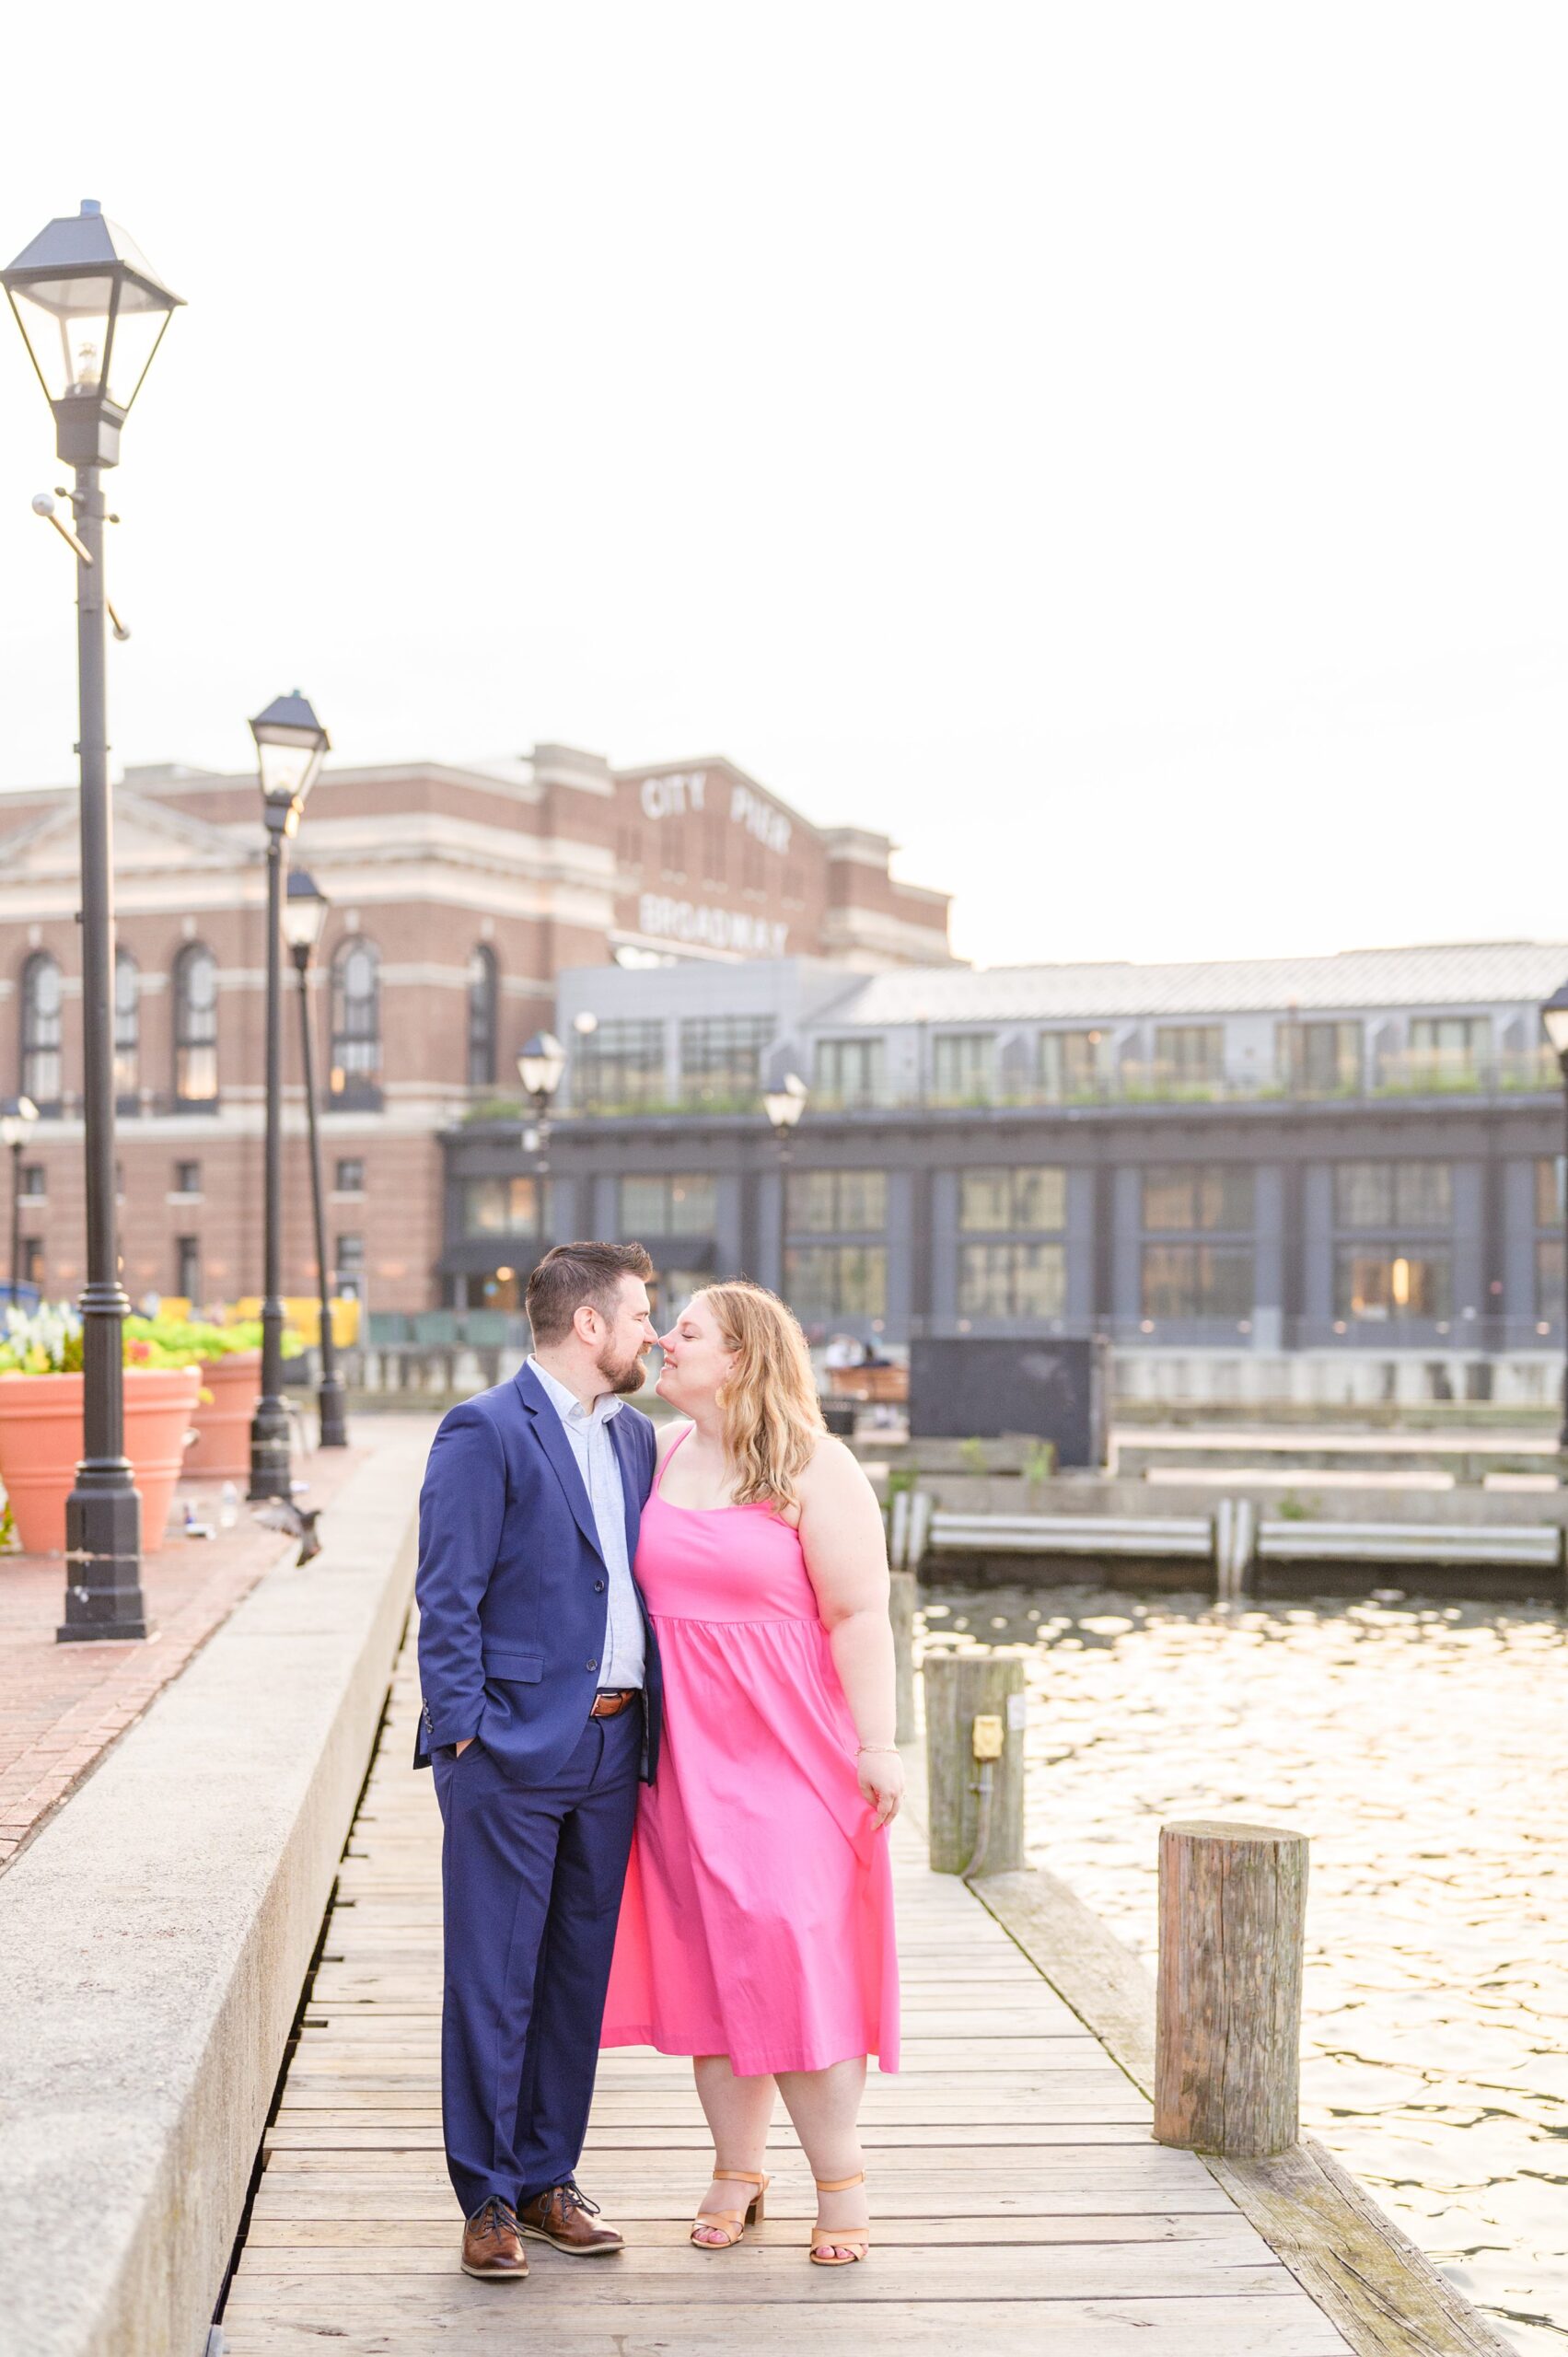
x=598, y=1587
x=593, y=1665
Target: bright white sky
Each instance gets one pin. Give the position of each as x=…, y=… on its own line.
x=1120, y=449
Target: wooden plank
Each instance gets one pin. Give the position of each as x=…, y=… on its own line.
x=1225, y=2325
x=418, y=2279
x=343, y=2195
x=401, y=2236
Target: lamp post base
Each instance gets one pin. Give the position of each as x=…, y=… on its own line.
x=330, y=1408
x=103, y=1559
x=270, y=1473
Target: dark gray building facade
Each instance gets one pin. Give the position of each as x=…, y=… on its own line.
x=1331, y=1179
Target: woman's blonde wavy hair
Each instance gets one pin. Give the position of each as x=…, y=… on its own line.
x=772, y=1415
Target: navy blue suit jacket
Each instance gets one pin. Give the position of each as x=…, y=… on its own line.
x=514, y=1599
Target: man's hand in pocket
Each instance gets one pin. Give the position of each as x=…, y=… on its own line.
x=459, y=1749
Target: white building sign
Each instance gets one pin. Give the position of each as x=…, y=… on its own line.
x=663, y=918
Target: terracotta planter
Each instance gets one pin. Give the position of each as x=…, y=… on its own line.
x=40, y=1443
x=221, y=1450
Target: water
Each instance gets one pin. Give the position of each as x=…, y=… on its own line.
x=1424, y=1749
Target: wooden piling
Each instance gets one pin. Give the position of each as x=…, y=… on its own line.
x=960, y=1688
x=1227, y=2029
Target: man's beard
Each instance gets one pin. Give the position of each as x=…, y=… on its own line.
x=625, y=1376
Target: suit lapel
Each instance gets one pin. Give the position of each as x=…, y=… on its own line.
x=558, y=1448
x=631, y=1478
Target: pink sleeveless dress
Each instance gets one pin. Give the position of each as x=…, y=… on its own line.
x=758, y=1914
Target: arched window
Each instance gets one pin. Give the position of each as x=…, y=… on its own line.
x=127, y=1026
x=196, y=1026
x=42, y=1029
x=481, y=1016
x=354, y=1069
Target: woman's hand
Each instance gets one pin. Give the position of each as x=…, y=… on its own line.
x=882, y=1773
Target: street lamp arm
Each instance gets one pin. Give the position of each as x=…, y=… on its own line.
x=43, y=506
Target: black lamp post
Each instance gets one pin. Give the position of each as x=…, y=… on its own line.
x=303, y=917
x=1554, y=1018
x=93, y=313
x=18, y=1115
x=290, y=742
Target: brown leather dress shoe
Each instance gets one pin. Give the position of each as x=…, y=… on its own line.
x=492, y=2249
x=564, y=2216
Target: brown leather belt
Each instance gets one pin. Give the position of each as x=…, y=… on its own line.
x=610, y=1701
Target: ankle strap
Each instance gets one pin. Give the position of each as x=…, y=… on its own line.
x=840, y=2184
x=743, y=2176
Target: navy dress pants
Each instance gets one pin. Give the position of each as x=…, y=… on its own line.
x=531, y=1877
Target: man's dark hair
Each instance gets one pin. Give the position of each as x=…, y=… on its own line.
x=572, y=1274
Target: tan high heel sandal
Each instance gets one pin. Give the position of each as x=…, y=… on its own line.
x=734, y=2221
x=845, y=2237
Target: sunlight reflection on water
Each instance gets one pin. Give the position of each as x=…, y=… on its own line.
x=1424, y=1749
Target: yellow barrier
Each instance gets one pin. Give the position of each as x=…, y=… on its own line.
x=304, y=1314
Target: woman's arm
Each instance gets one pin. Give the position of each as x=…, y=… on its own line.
x=846, y=1558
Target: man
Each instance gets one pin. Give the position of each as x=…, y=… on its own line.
x=540, y=1676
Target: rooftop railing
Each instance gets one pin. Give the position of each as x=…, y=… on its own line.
x=1402, y=1073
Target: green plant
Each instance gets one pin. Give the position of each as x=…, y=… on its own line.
x=9, y=1542
x=972, y=1457
x=902, y=1477
x=48, y=1340
x=1040, y=1460
x=1291, y=1509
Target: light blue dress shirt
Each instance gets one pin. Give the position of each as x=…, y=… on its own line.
x=624, y=1662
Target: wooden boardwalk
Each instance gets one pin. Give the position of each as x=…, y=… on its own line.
x=1019, y=2204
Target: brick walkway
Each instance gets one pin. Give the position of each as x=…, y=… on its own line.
x=62, y=1706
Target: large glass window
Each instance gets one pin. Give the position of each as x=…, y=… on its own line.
x=1549, y=1280
x=42, y=1030
x=1393, y=1194
x=1549, y=1191
x=1028, y=1198
x=196, y=1026
x=1319, y=1059
x=848, y=1071
x=1197, y=1281
x=355, y=1071
x=826, y=1281
x=1204, y=1195
x=1380, y=1283
x=837, y=1202
x=1448, y=1046
x=618, y=1068
x=500, y=1206
x=1189, y=1055
x=1012, y=1279
x=963, y=1067
x=482, y=998
x=1073, y=1063
x=721, y=1057
x=679, y=1204
x=127, y=1027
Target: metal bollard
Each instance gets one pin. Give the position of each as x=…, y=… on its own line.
x=976, y=1710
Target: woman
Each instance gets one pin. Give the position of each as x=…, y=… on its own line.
x=757, y=1930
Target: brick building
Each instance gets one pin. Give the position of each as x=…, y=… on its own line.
x=458, y=893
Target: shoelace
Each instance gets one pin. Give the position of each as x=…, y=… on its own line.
x=496, y=2217
x=573, y=2198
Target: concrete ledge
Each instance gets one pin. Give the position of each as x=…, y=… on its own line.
x=1384, y=2294
x=156, y=1937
